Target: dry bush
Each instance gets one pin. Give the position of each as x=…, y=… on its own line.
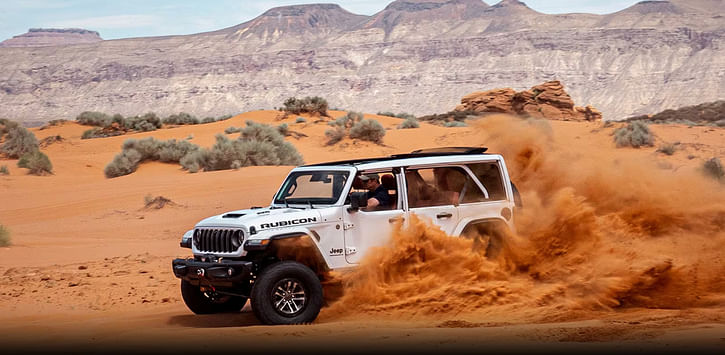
x=37, y=162
x=368, y=130
x=636, y=134
x=312, y=105
x=232, y=129
x=714, y=169
x=18, y=142
x=93, y=118
x=258, y=144
x=181, y=118
x=4, y=170
x=668, y=149
x=300, y=119
x=454, y=124
x=135, y=152
x=409, y=123
x=334, y=135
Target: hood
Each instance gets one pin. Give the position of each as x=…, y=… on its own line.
x=262, y=218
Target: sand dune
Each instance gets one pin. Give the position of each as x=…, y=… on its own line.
x=89, y=266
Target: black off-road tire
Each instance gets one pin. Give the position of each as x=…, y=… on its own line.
x=273, y=281
x=199, y=302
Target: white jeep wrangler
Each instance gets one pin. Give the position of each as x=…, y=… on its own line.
x=319, y=221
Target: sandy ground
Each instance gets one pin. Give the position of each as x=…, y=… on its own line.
x=89, y=266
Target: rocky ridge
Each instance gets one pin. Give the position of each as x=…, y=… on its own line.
x=418, y=56
x=41, y=37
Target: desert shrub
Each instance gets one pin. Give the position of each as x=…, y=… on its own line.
x=232, y=129
x=4, y=236
x=208, y=120
x=192, y=161
x=19, y=141
x=4, y=170
x=354, y=125
x=334, y=135
x=455, y=124
x=705, y=113
x=441, y=119
x=313, y=105
x=6, y=125
x=123, y=163
x=93, y=118
x=283, y=129
x=144, y=123
x=348, y=120
x=181, y=118
x=172, y=151
x=668, y=149
x=368, y=130
x=53, y=123
x=409, y=123
x=92, y=133
x=224, y=117
x=37, y=162
x=636, y=134
x=258, y=144
x=714, y=169
x=135, y=152
x=403, y=115
x=300, y=119
x=720, y=123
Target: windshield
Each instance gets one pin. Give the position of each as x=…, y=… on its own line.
x=316, y=187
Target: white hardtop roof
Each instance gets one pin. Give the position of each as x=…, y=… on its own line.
x=373, y=164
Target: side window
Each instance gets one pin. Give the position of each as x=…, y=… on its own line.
x=440, y=187
x=381, y=185
x=490, y=177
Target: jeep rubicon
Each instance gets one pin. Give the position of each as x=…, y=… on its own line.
x=276, y=256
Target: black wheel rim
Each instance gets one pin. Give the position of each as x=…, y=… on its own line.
x=289, y=297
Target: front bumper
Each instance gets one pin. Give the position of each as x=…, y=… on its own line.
x=224, y=273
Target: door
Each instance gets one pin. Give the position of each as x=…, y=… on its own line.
x=365, y=229
x=432, y=196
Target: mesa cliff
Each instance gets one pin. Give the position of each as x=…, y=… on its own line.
x=417, y=56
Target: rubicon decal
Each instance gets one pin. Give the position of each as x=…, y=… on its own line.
x=291, y=222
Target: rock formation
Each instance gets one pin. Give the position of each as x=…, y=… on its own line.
x=41, y=37
x=548, y=100
x=417, y=56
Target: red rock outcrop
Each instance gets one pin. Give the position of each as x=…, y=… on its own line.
x=548, y=100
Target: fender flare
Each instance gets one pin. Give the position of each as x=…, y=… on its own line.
x=465, y=224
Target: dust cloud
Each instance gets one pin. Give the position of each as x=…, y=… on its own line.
x=598, y=232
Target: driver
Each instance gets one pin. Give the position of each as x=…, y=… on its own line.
x=378, y=195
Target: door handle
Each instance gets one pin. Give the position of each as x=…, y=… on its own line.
x=444, y=215
x=396, y=219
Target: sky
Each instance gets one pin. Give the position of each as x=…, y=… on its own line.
x=141, y=18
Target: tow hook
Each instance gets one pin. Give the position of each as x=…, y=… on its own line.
x=200, y=272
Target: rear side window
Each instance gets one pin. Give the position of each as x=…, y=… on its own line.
x=490, y=177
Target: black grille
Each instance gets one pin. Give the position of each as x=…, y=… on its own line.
x=217, y=240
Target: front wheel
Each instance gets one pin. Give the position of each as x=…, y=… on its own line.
x=208, y=302
x=287, y=293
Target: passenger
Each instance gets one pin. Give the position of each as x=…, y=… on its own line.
x=378, y=196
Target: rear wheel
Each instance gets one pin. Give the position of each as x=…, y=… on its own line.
x=209, y=302
x=487, y=238
x=287, y=293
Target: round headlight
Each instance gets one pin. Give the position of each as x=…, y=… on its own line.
x=237, y=238
x=197, y=236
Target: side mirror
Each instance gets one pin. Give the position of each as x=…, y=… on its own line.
x=358, y=200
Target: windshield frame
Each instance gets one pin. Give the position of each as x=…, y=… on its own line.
x=345, y=190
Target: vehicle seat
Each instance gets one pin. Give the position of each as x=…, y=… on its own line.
x=389, y=182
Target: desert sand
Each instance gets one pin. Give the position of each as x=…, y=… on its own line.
x=617, y=248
